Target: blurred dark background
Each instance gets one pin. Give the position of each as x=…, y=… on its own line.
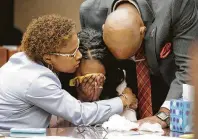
x=15, y=15
x=9, y=34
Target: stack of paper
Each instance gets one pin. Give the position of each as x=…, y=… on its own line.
x=141, y=137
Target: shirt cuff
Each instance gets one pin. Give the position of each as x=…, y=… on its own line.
x=121, y=87
x=166, y=104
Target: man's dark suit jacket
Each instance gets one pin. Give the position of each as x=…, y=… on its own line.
x=167, y=21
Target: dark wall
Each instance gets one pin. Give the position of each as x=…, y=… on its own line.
x=6, y=14
x=9, y=35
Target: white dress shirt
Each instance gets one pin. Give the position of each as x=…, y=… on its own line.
x=30, y=93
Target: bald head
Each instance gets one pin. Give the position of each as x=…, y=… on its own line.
x=123, y=32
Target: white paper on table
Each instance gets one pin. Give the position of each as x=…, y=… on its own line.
x=129, y=114
x=151, y=127
x=142, y=137
x=120, y=123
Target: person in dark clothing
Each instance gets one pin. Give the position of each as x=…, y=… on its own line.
x=156, y=34
x=97, y=59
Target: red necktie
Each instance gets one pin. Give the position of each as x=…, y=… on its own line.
x=144, y=85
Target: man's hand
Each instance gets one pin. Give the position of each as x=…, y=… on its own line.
x=153, y=120
x=90, y=88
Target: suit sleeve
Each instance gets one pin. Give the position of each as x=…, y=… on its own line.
x=185, y=27
x=82, y=23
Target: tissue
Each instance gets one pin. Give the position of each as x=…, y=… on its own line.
x=151, y=127
x=129, y=114
x=119, y=123
x=188, y=92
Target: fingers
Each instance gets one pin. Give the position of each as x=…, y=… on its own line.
x=88, y=85
x=151, y=120
x=98, y=86
x=77, y=82
x=87, y=80
x=98, y=91
x=82, y=89
x=133, y=106
x=140, y=122
x=94, y=96
x=145, y=120
x=91, y=86
x=100, y=79
x=90, y=80
x=131, y=98
x=81, y=96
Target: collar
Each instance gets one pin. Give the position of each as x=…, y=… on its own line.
x=143, y=6
x=130, y=1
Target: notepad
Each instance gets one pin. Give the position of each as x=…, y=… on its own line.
x=27, y=132
x=26, y=135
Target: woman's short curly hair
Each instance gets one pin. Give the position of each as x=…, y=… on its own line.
x=45, y=35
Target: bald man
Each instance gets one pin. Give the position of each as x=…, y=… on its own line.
x=156, y=35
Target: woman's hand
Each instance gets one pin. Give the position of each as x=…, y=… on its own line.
x=90, y=88
x=129, y=99
x=58, y=122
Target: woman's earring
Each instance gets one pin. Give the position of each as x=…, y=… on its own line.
x=50, y=67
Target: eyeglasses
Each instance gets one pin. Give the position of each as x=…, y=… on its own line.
x=96, y=131
x=99, y=132
x=68, y=55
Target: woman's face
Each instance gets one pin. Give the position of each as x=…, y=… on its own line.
x=67, y=59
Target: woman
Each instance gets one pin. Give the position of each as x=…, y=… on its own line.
x=96, y=59
x=30, y=91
